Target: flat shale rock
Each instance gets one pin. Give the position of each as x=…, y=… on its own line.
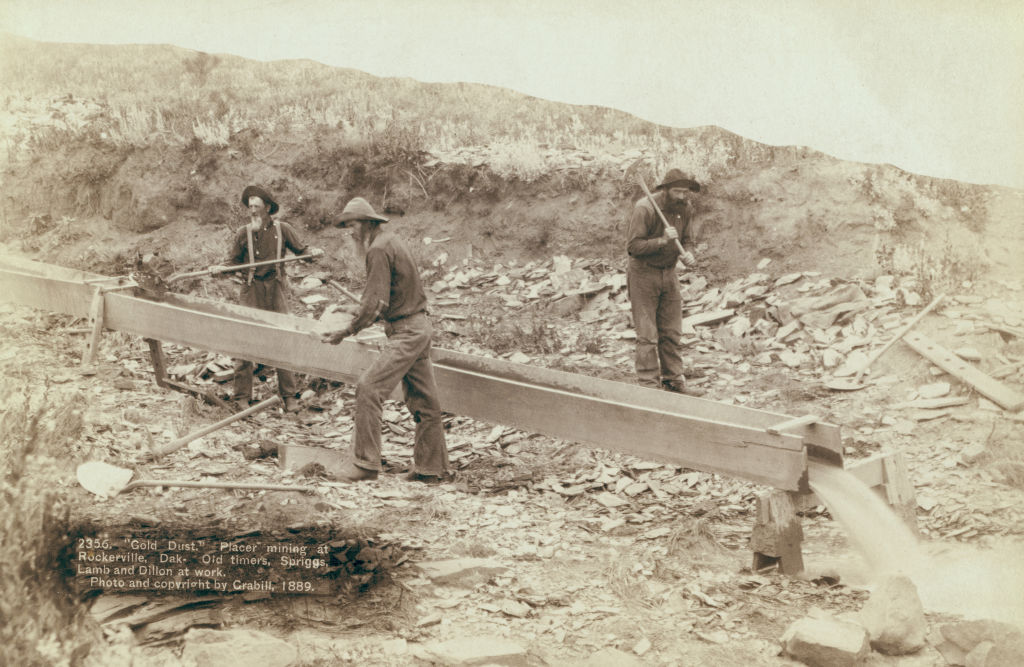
x=213, y=648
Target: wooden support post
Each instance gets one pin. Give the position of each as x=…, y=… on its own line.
x=96, y=327
x=777, y=533
x=898, y=491
x=156, y=355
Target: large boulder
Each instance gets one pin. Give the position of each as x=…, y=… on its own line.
x=826, y=642
x=972, y=643
x=894, y=617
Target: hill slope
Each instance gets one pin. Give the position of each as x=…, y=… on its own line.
x=143, y=146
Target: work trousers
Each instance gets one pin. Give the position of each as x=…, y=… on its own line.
x=658, y=317
x=405, y=358
x=265, y=295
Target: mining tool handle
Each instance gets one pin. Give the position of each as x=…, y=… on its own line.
x=235, y=267
x=650, y=197
x=341, y=288
x=252, y=486
x=175, y=445
x=899, y=334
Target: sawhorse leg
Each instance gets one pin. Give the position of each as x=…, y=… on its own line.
x=92, y=342
x=156, y=355
x=777, y=535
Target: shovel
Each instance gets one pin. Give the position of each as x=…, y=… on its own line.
x=106, y=481
x=235, y=267
x=846, y=384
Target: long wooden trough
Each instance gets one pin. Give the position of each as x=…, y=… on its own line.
x=763, y=447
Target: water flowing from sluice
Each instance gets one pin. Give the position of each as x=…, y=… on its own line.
x=882, y=538
x=951, y=577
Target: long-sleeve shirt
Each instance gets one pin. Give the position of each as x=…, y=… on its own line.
x=646, y=241
x=264, y=241
x=393, y=286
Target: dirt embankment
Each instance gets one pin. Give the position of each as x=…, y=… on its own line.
x=804, y=210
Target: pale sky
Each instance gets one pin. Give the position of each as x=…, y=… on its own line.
x=933, y=86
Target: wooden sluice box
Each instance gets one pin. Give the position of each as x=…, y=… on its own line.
x=763, y=447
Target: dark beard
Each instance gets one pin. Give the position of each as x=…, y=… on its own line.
x=675, y=206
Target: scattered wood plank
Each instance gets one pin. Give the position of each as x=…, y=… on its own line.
x=987, y=386
x=935, y=403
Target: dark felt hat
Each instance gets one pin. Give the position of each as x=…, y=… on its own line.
x=257, y=191
x=678, y=179
x=360, y=209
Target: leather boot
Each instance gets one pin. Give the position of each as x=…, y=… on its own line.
x=350, y=472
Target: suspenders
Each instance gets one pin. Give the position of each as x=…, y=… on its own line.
x=252, y=253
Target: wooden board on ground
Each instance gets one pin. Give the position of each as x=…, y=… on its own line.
x=987, y=386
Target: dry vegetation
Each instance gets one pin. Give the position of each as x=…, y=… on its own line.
x=39, y=622
x=198, y=97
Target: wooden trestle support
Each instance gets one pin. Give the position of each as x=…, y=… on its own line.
x=759, y=446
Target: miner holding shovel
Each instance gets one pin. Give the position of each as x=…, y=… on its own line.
x=261, y=245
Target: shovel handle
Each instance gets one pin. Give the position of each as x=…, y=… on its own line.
x=338, y=286
x=252, y=486
x=175, y=445
x=899, y=334
x=235, y=267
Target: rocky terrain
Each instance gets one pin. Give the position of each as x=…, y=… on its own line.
x=545, y=552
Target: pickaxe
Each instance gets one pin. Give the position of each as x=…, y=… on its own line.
x=682, y=253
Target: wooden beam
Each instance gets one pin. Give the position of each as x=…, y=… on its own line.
x=987, y=386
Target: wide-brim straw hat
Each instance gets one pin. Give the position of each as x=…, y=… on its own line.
x=257, y=191
x=679, y=179
x=360, y=209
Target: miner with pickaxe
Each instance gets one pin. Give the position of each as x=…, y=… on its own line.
x=262, y=243
x=659, y=226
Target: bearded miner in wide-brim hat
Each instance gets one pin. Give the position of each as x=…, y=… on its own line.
x=265, y=287
x=394, y=294
x=652, y=281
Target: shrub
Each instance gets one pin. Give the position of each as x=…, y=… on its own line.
x=37, y=622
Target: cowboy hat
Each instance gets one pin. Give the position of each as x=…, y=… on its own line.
x=679, y=179
x=360, y=209
x=257, y=191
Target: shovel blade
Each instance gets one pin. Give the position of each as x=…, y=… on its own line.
x=103, y=479
x=844, y=384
